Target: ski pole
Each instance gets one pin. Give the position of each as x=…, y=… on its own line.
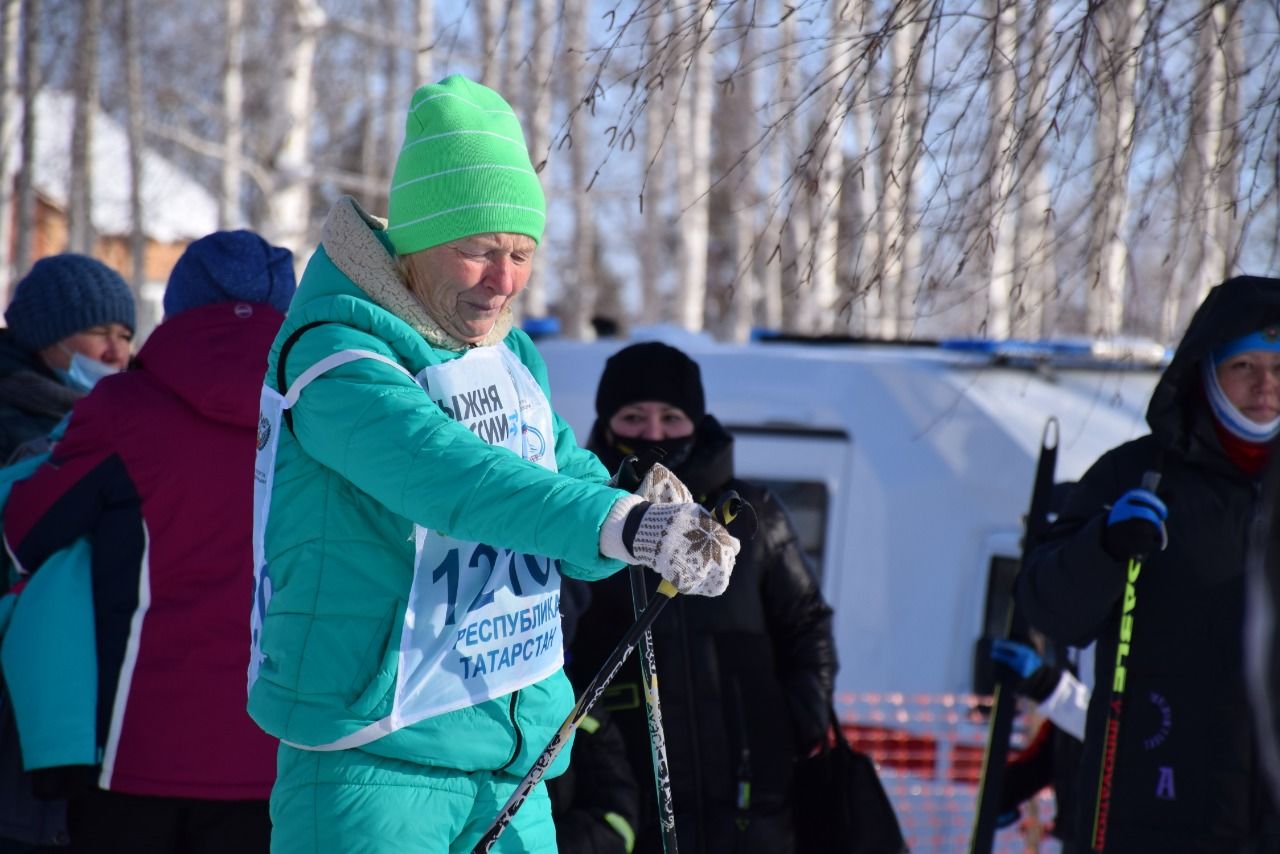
x=1115, y=703
x=725, y=511
x=628, y=478
x=1004, y=700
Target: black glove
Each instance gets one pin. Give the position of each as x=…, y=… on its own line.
x=1135, y=526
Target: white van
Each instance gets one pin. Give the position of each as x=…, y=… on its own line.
x=907, y=469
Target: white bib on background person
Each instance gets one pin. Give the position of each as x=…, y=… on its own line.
x=271, y=409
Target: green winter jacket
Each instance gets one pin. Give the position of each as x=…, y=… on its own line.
x=367, y=456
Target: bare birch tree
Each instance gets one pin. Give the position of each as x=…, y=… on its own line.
x=29, y=80
x=862, y=193
x=513, y=80
x=230, y=213
x=1094, y=180
x=1205, y=183
x=491, y=26
x=657, y=117
x=579, y=293
x=289, y=205
x=899, y=128
x=828, y=158
x=134, y=110
x=693, y=159
x=1002, y=164
x=1118, y=32
x=80, y=237
x=1034, y=278
x=739, y=313
x=10, y=22
x=538, y=98
x=425, y=21
x=795, y=229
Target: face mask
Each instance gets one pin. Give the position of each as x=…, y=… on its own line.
x=84, y=372
x=676, y=450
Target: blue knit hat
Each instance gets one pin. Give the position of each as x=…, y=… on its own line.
x=230, y=266
x=65, y=294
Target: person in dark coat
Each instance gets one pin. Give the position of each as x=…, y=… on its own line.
x=745, y=681
x=1185, y=776
x=153, y=471
x=595, y=801
x=70, y=322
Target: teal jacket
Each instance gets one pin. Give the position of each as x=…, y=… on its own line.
x=369, y=455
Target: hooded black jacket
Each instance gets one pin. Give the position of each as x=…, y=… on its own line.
x=745, y=679
x=1186, y=776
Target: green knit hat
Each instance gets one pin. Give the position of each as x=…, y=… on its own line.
x=464, y=169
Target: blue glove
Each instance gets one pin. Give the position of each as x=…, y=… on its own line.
x=1135, y=525
x=1018, y=657
x=1007, y=819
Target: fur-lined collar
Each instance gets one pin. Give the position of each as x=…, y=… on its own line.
x=350, y=243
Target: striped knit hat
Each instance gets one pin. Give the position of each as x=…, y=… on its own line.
x=464, y=169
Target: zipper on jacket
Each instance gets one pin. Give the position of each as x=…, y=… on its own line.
x=515, y=750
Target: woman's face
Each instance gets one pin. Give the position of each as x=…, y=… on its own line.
x=1251, y=381
x=110, y=343
x=466, y=283
x=652, y=420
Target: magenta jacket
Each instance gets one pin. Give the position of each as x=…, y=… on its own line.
x=156, y=470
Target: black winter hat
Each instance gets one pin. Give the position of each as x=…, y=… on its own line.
x=65, y=294
x=651, y=371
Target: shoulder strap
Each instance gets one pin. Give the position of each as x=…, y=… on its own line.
x=328, y=363
x=284, y=354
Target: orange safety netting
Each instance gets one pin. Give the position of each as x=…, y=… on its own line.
x=929, y=751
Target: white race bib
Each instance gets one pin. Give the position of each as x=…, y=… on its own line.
x=482, y=621
x=271, y=408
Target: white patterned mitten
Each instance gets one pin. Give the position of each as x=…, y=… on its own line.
x=662, y=487
x=681, y=542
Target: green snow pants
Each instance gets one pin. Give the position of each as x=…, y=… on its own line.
x=352, y=802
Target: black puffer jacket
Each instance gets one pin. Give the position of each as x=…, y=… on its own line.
x=745, y=678
x=1186, y=775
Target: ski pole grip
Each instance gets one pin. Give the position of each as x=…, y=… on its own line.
x=626, y=477
x=1151, y=481
x=727, y=508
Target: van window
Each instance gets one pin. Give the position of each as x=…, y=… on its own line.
x=807, y=469
x=806, y=502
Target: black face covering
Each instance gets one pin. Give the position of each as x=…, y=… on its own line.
x=675, y=451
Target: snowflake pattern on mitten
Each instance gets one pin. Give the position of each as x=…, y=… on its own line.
x=662, y=487
x=687, y=547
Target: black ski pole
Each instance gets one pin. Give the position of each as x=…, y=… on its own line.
x=1115, y=702
x=628, y=478
x=1004, y=702
x=725, y=511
